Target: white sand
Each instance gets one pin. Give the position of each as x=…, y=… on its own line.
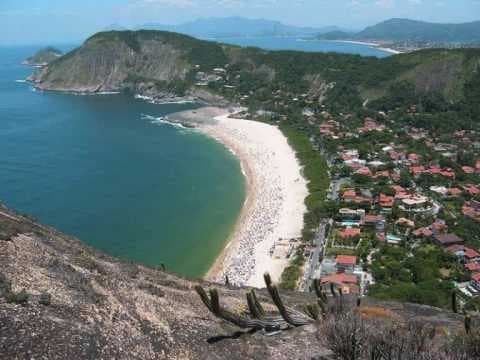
x=274, y=206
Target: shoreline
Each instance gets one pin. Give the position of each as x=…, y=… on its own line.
x=370, y=44
x=275, y=192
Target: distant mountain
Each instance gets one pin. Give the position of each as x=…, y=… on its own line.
x=237, y=26
x=413, y=30
x=404, y=29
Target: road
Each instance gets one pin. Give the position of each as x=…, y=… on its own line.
x=315, y=257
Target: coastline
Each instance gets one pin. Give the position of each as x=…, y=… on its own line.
x=275, y=192
x=370, y=44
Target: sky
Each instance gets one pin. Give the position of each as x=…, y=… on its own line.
x=25, y=22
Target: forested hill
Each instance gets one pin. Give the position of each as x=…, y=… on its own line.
x=405, y=29
x=156, y=62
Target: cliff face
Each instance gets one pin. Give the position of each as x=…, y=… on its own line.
x=112, y=63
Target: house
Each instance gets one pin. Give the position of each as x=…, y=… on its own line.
x=454, y=192
x=473, y=267
x=441, y=190
x=446, y=240
x=468, y=170
x=346, y=263
x=414, y=202
x=471, y=189
x=438, y=226
x=457, y=250
x=349, y=195
x=423, y=232
x=350, y=214
x=471, y=209
x=377, y=221
x=386, y=201
x=348, y=283
x=405, y=222
x=476, y=281
x=371, y=125
x=349, y=233
x=471, y=255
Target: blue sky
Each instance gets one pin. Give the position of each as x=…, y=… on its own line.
x=57, y=21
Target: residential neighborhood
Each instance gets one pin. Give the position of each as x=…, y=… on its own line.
x=405, y=210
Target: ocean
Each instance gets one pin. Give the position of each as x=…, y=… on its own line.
x=104, y=169
x=295, y=43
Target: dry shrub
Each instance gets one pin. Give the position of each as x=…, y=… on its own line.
x=350, y=336
x=464, y=346
x=375, y=312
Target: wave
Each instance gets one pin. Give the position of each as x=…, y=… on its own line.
x=21, y=81
x=151, y=100
x=163, y=120
x=108, y=93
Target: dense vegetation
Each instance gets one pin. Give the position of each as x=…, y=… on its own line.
x=207, y=54
x=423, y=276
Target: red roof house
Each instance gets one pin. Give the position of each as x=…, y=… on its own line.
x=473, y=267
x=468, y=169
x=386, y=201
x=349, y=233
x=471, y=254
x=448, y=239
x=348, y=260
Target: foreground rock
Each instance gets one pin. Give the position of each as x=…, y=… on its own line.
x=81, y=304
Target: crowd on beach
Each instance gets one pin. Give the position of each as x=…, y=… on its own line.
x=267, y=198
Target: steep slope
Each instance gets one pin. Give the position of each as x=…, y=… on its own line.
x=60, y=299
x=85, y=305
x=114, y=61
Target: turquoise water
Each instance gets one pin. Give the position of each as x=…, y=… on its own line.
x=94, y=167
x=293, y=43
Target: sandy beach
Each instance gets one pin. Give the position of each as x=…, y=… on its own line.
x=276, y=190
x=371, y=44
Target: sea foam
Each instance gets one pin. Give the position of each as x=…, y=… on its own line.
x=162, y=120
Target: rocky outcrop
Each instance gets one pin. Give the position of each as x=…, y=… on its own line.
x=111, y=63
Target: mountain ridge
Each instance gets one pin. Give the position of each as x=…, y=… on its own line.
x=236, y=26
x=400, y=29
x=150, y=62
